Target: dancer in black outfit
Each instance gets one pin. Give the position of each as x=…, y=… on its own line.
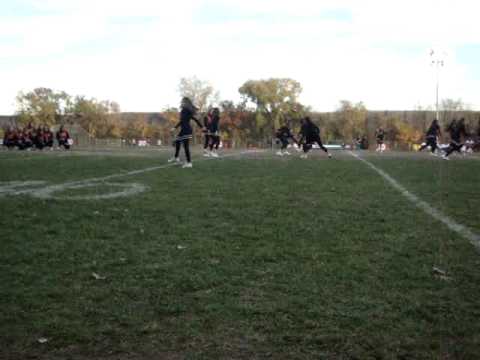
x=457, y=132
x=212, y=136
x=309, y=135
x=284, y=135
x=187, y=113
x=380, y=136
x=431, y=137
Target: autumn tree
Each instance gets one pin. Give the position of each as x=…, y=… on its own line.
x=273, y=99
x=99, y=118
x=42, y=106
x=200, y=92
x=351, y=120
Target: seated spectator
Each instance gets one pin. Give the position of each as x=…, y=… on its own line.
x=27, y=139
x=63, y=138
x=47, y=137
x=10, y=138
x=38, y=138
x=20, y=138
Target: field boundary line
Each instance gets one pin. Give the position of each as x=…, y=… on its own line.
x=460, y=229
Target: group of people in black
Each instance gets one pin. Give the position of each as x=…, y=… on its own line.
x=35, y=138
x=459, y=137
x=309, y=134
x=308, y=137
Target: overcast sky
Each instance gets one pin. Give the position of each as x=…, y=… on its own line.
x=135, y=52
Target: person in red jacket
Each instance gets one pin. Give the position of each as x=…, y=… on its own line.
x=38, y=138
x=48, y=137
x=10, y=138
x=62, y=137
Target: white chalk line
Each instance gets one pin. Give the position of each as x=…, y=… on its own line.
x=460, y=229
x=48, y=192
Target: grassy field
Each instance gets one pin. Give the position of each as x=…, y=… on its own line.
x=246, y=257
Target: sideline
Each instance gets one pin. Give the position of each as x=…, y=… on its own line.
x=460, y=229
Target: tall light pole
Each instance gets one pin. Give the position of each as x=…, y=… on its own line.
x=438, y=62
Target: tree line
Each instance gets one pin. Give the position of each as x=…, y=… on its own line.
x=264, y=106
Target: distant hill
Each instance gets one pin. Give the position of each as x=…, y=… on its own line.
x=7, y=121
x=152, y=118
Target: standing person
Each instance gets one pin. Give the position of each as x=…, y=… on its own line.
x=431, y=138
x=380, y=136
x=63, y=138
x=212, y=137
x=207, y=120
x=457, y=132
x=187, y=113
x=309, y=135
x=214, y=132
x=283, y=135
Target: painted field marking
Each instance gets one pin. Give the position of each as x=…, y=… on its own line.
x=460, y=229
x=128, y=189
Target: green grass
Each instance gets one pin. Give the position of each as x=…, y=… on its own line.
x=244, y=257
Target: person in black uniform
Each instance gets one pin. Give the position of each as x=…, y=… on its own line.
x=212, y=136
x=380, y=136
x=431, y=137
x=457, y=132
x=284, y=134
x=214, y=131
x=187, y=113
x=309, y=135
x=206, y=124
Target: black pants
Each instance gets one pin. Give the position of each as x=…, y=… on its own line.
x=186, y=146
x=10, y=144
x=284, y=142
x=310, y=141
x=454, y=146
x=432, y=142
x=208, y=139
x=39, y=145
x=214, y=142
x=63, y=143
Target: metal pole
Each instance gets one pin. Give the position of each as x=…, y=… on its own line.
x=438, y=62
x=438, y=85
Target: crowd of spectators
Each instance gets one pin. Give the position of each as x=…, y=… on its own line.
x=33, y=137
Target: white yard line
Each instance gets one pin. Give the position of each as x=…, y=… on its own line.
x=460, y=229
x=45, y=192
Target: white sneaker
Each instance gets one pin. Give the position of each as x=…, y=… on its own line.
x=445, y=157
x=187, y=165
x=174, y=159
x=279, y=153
x=207, y=153
x=214, y=154
x=304, y=156
x=329, y=155
x=286, y=153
